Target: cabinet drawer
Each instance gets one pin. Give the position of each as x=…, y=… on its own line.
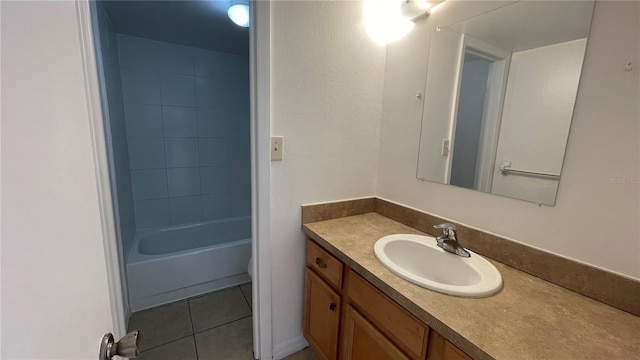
x=407, y=332
x=324, y=264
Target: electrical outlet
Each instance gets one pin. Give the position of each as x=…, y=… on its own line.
x=277, y=143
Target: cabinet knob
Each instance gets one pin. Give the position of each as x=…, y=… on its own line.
x=320, y=263
x=332, y=307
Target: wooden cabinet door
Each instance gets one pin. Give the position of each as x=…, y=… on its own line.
x=362, y=341
x=321, y=316
x=441, y=349
x=407, y=333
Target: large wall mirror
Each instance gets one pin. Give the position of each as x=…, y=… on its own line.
x=499, y=98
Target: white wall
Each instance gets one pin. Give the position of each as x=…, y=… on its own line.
x=54, y=282
x=538, y=107
x=595, y=220
x=326, y=91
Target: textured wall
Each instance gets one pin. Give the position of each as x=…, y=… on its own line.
x=327, y=79
x=597, y=192
x=187, y=123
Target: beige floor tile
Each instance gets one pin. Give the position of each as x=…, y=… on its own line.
x=233, y=341
x=305, y=354
x=218, y=308
x=162, y=324
x=183, y=349
x=246, y=291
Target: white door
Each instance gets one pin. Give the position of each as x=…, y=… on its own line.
x=55, y=290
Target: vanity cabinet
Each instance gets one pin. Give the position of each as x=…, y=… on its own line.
x=363, y=341
x=441, y=349
x=347, y=318
x=405, y=331
x=323, y=301
x=321, y=316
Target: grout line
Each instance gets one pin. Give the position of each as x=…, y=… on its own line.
x=168, y=342
x=192, y=330
x=190, y=317
x=195, y=345
x=227, y=323
x=245, y=297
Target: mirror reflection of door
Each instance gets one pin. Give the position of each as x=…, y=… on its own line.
x=477, y=122
x=538, y=107
x=499, y=98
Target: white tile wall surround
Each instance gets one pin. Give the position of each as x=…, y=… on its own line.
x=140, y=86
x=209, y=93
x=182, y=152
x=184, y=181
x=213, y=151
x=214, y=179
x=152, y=213
x=210, y=123
x=146, y=153
x=216, y=206
x=187, y=123
x=178, y=90
x=144, y=120
x=185, y=209
x=149, y=184
x=179, y=121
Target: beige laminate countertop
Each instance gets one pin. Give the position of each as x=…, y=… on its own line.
x=528, y=319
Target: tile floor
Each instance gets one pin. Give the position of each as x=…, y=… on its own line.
x=207, y=327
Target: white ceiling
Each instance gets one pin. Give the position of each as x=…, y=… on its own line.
x=202, y=24
x=527, y=25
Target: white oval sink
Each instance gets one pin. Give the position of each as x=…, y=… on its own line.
x=418, y=259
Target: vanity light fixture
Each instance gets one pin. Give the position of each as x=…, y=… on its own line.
x=239, y=12
x=384, y=23
x=415, y=9
x=389, y=20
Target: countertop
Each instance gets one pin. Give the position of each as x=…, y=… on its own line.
x=528, y=319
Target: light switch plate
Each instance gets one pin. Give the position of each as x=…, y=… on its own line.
x=277, y=143
x=445, y=147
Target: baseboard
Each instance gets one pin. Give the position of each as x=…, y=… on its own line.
x=287, y=348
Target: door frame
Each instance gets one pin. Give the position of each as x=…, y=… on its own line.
x=259, y=63
x=492, y=114
x=117, y=299
x=260, y=94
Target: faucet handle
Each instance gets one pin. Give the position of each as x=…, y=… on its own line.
x=447, y=226
x=448, y=229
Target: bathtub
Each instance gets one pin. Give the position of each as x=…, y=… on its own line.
x=175, y=263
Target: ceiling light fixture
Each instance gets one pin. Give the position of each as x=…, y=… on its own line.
x=239, y=13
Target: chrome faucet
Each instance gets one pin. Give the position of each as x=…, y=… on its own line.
x=448, y=241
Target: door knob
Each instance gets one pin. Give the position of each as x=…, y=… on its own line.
x=128, y=346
